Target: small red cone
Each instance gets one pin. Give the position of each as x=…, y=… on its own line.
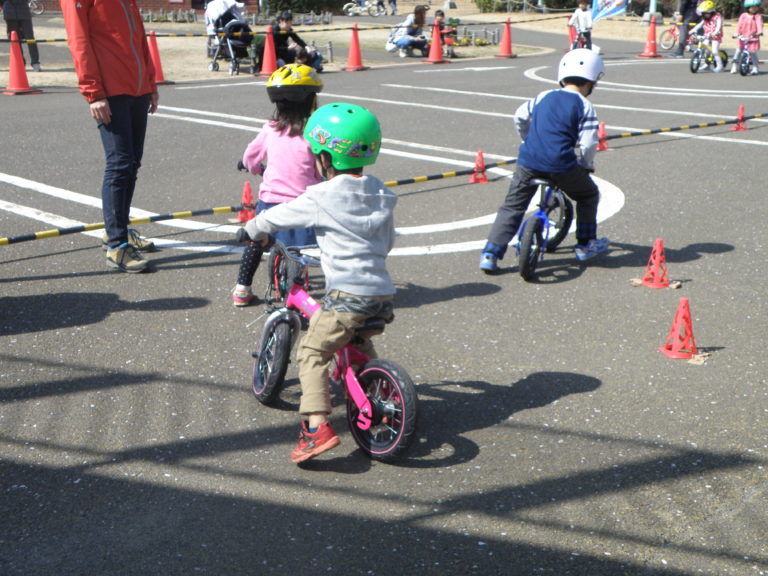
x=436, y=48
x=601, y=137
x=17, y=75
x=505, y=50
x=656, y=275
x=650, y=44
x=478, y=177
x=572, y=35
x=269, y=59
x=739, y=126
x=680, y=342
x=248, y=205
x=355, y=60
x=154, y=53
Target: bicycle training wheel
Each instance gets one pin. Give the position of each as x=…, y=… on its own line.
x=695, y=62
x=560, y=216
x=271, y=362
x=393, y=398
x=377, y=10
x=744, y=64
x=667, y=40
x=531, y=243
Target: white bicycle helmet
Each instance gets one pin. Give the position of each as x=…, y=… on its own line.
x=581, y=63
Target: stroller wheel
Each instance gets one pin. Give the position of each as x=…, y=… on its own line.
x=213, y=66
x=234, y=68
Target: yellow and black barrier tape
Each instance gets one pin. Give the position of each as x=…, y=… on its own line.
x=683, y=127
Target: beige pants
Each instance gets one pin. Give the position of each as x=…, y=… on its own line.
x=329, y=331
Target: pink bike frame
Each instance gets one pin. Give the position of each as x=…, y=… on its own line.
x=349, y=356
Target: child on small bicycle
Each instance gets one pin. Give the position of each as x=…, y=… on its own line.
x=352, y=215
x=712, y=27
x=750, y=25
x=552, y=125
x=290, y=164
x=581, y=20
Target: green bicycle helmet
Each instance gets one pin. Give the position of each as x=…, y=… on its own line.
x=351, y=135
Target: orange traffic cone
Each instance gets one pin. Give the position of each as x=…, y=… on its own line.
x=436, y=48
x=650, y=43
x=269, y=59
x=739, y=126
x=154, y=53
x=17, y=75
x=680, y=342
x=506, y=42
x=656, y=275
x=601, y=137
x=355, y=60
x=571, y=36
x=479, y=177
x=248, y=211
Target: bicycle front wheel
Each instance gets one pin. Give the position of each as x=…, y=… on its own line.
x=667, y=40
x=393, y=399
x=531, y=243
x=744, y=64
x=36, y=7
x=377, y=10
x=271, y=362
x=560, y=216
x=695, y=62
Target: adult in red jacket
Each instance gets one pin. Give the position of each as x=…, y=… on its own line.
x=117, y=78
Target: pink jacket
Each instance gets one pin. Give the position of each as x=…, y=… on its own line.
x=290, y=167
x=750, y=24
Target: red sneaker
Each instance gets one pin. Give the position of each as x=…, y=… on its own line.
x=312, y=444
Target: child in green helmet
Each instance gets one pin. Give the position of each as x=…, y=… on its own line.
x=352, y=215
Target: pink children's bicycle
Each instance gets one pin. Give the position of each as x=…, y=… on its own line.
x=380, y=396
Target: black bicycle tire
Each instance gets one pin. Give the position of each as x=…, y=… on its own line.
x=695, y=62
x=530, y=247
x=664, y=40
x=395, y=415
x=562, y=223
x=744, y=64
x=272, y=358
x=37, y=8
x=376, y=10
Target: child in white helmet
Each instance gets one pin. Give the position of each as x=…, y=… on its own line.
x=750, y=25
x=553, y=125
x=712, y=27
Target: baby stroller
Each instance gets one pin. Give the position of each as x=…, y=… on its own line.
x=229, y=37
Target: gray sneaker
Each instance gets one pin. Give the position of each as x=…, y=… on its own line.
x=126, y=259
x=592, y=249
x=134, y=239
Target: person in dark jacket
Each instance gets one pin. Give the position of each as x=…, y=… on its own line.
x=18, y=18
x=686, y=16
x=290, y=47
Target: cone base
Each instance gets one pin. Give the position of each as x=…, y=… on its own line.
x=649, y=56
x=21, y=92
x=679, y=355
x=436, y=61
x=505, y=56
x=655, y=285
x=354, y=68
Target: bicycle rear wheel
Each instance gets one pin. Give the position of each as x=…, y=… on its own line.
x=393, y=398
x=667, y=40
x=36, y=7
x=531, y=243
x=271, y=362
x=560, y=216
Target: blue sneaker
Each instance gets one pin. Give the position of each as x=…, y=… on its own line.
x=488, y=263
x=592, y=249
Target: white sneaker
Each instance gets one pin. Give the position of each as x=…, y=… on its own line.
x=402, y=53
x=754, y=71
x=717, y=69
x=734, y=69
x=592, y=249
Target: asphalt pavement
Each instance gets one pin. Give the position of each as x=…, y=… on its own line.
x=553, y=437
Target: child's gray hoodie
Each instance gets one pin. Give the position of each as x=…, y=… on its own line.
x=354, y=225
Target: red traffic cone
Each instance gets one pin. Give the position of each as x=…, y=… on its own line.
x=505, y=50
x=680, y=342
x=355, y=60
x=436, y=48
x=478, y=177
x=739, y=126
x=572, y=35
x=248, y=206
x=269, y=59
x=17, y=75
x=650, y=44
x=656, y=275
x=601, y=145
x=154, y=53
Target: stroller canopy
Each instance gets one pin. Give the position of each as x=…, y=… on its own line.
x=216, y=9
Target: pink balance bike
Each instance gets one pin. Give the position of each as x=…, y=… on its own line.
x=380, y=396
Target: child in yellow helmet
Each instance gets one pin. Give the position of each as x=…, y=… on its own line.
x=711, y=26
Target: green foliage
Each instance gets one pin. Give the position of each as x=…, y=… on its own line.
x=306, y=6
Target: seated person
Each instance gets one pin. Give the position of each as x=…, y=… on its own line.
x=409, y=35
x=288, y=44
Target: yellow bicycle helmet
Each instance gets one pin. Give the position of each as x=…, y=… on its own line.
x=706, y=7
x=293, y=82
